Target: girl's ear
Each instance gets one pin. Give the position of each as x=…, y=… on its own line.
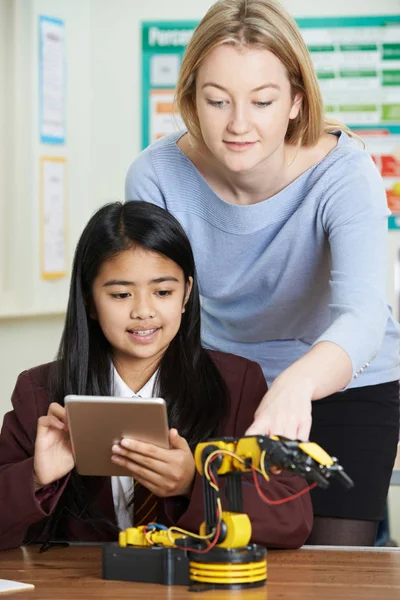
x=189, y=287
x=91, y=309
x=296, y=105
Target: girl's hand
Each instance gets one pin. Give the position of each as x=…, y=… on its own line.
x=164, y=472
x=285, y=409
x=53, y=452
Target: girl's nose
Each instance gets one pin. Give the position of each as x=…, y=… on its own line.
x=142, y=309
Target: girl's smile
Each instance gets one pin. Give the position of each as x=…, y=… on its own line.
x=143, y=336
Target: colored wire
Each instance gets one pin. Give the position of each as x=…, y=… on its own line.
x=217, y=453
x=281, y=500
x=156, y=526
x=215, y=532
x=147, y=536
x=262, y=465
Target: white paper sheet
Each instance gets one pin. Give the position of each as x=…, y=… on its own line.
x=54, y=260
x=14, y=586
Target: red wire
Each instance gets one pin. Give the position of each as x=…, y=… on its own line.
x=282, y=500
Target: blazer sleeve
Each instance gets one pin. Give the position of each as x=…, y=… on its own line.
x=20, y=506
x=281, y=526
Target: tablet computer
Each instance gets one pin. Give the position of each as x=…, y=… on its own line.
x=97, y=422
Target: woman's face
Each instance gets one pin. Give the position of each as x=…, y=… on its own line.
x=244, y=104
x=138, y=299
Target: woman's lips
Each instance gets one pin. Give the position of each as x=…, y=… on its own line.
x=239, y=146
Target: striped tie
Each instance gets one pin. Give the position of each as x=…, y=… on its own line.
x=144, y=505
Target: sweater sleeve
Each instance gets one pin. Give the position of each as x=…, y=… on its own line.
x=20, y=506
x=354, y=217
x=141, y=181
x=283, y=526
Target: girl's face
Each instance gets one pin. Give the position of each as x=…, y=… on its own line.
x=244, y=103
x=138, y=299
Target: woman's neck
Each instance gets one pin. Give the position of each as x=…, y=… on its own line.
x=268, y=178
x=246, y=187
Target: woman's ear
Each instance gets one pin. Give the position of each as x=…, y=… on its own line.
x=296, y=105
x=188, y=291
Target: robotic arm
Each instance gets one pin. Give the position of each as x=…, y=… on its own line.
x=220, y=555
x=231, y=458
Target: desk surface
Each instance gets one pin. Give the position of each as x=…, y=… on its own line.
x=306, y=574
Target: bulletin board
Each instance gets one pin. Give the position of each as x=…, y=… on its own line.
x=357, y=60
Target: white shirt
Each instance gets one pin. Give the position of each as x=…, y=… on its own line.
x=122, y=487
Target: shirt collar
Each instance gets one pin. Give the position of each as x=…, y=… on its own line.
x=121, y=390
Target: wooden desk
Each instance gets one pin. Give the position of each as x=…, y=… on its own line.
x=306, y=574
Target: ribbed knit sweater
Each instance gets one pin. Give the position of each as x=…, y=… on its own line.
x=304, y=266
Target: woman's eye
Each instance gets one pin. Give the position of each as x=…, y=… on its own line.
x=216, y=103
x=163, y=293
x=121, y=295
x=263, y=104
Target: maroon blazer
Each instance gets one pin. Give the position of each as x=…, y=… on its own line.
x=282, y=526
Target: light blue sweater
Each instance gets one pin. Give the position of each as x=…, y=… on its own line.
x=307, y=265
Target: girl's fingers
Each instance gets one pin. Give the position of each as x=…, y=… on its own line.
x=142, y=461
x=58, y=411
x=145, y=476
x=149, y=451
x=50, y=421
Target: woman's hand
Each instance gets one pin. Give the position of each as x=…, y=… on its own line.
x=164, y=472
x=286, y=407
x=284, y=410
x=53, y=451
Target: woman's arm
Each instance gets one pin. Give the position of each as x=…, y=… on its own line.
x=286, y=408
x=354, y=216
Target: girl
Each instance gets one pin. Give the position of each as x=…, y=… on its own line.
x=287, y=218
x=132, y=326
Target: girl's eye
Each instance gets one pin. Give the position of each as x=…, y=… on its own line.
x=263, y=104
x=121, y=295
x=163, y=293
x=216, y=103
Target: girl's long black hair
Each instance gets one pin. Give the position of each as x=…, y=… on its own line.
x=187, y=378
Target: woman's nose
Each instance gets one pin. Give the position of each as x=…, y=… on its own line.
x=239, y=123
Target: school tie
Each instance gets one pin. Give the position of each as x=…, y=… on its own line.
x=144, y=505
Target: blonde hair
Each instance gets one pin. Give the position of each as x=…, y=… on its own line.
x=263, y=24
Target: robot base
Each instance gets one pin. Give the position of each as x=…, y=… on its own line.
x=230, y=568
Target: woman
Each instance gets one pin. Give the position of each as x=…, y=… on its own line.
x=287, y=217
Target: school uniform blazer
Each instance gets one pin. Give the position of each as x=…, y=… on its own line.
x=21, y=509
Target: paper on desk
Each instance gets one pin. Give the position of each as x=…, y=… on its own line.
x=14, y=586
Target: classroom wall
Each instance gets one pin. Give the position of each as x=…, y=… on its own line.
x=103, y=137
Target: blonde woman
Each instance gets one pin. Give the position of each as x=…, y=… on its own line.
x=287, y=218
